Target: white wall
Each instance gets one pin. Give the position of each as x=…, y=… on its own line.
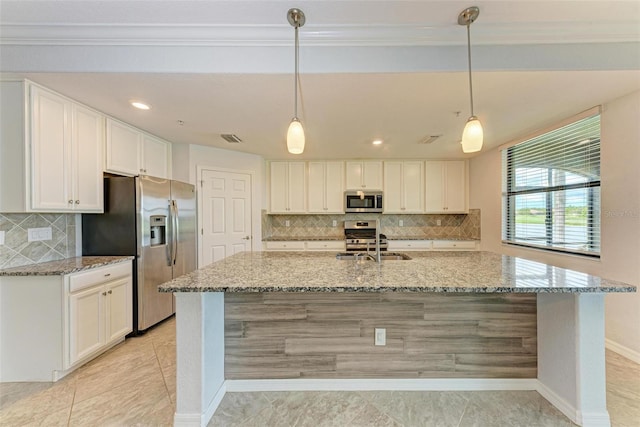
x=187, y=160
x=620, y=226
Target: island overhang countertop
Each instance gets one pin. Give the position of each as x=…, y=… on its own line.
x=465, y=271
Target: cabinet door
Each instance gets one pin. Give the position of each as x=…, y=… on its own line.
x=456, y=187
x=354, y=176
x=413, y=186
x=87, y=130
x=123, y=148
x=297, y=187
x=372, y=175
x=434, y=187
x=393, y=190
x=156, y=157
x=118, y=309
x=278, y=187
x=317, y=187
x=51, y=156
x=335, y=187
x=86, y=322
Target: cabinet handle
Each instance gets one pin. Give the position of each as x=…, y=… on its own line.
x=104, y=294
x=141, y=170
x=70, y=202
x=77, y=202
x=110, y=292
x=107, y=275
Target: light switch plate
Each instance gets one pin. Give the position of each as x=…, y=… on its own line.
x=401, y=223
x=1, y=237
x=38, y=234
x=380, y=336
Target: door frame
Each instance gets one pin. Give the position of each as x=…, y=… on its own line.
x=256, y=241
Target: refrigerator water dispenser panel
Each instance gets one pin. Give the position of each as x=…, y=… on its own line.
x=158, y=231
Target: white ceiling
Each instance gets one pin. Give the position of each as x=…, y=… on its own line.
x=369, y=69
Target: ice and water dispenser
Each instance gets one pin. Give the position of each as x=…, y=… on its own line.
x=158, y=232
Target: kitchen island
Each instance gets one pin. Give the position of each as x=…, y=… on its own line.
x=568, y=345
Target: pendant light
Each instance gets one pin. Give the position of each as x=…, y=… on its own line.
x=472, y=135
x=295, y=133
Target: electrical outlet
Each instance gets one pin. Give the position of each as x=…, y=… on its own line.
x=401, y=223
x=287, y=223
x=380, y=336
x=38, y=234
x=335, y=223
x=438, y=222
x=1, y=237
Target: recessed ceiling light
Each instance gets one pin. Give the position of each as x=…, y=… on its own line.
x=377, y=142
x=140, y=105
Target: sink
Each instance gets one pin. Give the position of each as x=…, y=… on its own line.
x=384, y=256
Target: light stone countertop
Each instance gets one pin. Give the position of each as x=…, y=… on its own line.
x=466, y=271
x=63, y=266
x=301, y=238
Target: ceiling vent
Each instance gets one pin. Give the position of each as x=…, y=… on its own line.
x=231, y=138
x=430, y=139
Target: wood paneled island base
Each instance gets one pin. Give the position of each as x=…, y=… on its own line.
x=455, y=321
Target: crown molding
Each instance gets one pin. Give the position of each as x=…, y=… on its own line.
x=36, y=34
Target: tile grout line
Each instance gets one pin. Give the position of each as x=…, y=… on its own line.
x=164, y=380
x=73, y=401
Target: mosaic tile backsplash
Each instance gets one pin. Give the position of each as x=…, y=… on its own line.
x=17, y=250
x=462, y=226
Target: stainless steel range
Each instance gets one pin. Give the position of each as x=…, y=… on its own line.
x=361, y=236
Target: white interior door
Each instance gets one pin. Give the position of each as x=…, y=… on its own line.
x=226, y=214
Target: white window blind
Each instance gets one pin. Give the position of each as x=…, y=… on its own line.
x=551, y=191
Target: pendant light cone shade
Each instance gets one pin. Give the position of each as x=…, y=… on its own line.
x=295, y=133
x=295, y=137
x=472, y=135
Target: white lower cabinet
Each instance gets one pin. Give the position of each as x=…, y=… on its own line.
x=311, y=245
x=51, y=325
x=99, y=315
x=435, y=245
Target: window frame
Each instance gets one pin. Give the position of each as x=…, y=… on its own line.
x=593, y=203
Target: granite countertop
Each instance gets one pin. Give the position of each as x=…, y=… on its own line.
x=467, y=271
x=63, y=266
x=466, y=239
x=300, y=238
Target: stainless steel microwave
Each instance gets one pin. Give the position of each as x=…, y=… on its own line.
x=363, y=201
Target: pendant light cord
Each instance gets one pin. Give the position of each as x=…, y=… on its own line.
x=469, y=57
x=295, y=83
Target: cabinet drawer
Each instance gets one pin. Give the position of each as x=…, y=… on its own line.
x=285, y=246
x=417, y=245
x=99, y=275
x=325, y=245
x=454, y=244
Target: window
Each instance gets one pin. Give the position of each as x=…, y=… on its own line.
x=551, y=191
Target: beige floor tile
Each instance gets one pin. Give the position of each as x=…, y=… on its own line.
x=144, y=403
x=11, y=393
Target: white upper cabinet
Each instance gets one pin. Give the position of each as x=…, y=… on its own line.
x=52, y=157
x=133, y=152
x=287, y=187
x=364, y=175
x=124, y=145
x=403, y=187
x=156, y=157
x=326, y=187
x=446, y=186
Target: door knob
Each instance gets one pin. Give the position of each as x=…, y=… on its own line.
x=246, y=238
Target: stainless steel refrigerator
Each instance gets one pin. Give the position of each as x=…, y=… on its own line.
x=154, y=220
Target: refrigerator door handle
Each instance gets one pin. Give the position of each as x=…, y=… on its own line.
x=176, y=231
x=172, y=232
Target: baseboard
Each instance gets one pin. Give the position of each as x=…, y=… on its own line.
x=201, y=420
x=590, y=419
x=622, y=350
x=562, y=405
x=422, y=384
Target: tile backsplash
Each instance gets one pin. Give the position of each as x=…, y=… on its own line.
x=459, y=226
x=17, y=250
